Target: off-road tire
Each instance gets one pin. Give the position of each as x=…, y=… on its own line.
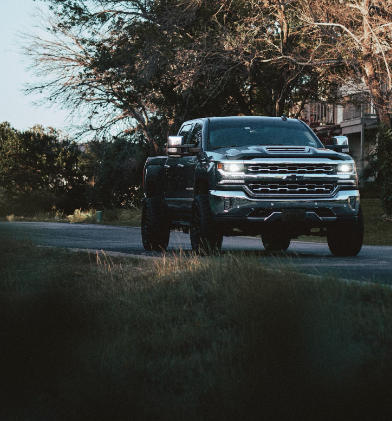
x=346, y=239
x=155, y=224
x=275, y=242
x=205, y=238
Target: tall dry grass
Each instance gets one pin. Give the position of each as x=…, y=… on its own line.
x=88, y=337
x=128, y=217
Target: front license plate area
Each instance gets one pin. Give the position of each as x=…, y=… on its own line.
x=294, y=215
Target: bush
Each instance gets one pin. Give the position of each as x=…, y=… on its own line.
x=380, y=165
x=384, y=153
x=27, y=205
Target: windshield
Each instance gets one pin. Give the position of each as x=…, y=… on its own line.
x=253, y=131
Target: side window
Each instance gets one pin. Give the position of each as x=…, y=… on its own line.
x=196, y=134
x=185, y=131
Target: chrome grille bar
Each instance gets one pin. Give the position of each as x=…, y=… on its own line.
x=299, y=187
x=290, y=169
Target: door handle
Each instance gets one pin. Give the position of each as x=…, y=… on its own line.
x=166, y=166
x=180, y=166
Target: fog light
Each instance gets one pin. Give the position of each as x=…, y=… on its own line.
x=352, y=200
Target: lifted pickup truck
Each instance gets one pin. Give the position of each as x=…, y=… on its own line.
x=268, y=176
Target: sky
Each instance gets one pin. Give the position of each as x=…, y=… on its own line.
x=15, y=106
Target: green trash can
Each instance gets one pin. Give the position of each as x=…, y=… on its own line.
x=99, y=216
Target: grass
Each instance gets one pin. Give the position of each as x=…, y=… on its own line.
x=86, y=337
x=378, y=229
x=128, y=217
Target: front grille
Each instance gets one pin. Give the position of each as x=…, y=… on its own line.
x=290, y=169
x=291, y=188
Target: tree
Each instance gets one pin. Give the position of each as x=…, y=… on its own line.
x=39, y=169
x=114, y=172
x=356, y=34
x=134, y=62
x=105, y=64
x=241, y=52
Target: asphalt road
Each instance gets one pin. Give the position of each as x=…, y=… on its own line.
x=373, y=263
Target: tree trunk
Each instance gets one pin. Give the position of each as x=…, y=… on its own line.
x=277, y=108
x=142, y=120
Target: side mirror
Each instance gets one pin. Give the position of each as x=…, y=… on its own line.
x=177, y=147
x=340, y=144
x=173, y=144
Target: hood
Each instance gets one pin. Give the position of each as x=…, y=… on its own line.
x=271, y=151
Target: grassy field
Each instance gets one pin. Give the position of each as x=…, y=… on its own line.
x=86, y=337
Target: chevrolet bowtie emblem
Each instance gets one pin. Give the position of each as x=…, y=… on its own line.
x=294, y=177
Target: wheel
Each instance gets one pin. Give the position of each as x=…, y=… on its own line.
x=155, y=224
x=346, y=239
x=204, y=236
x=275, y=242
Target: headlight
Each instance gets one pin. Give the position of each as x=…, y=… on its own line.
x=346, y=168
x=234, y=167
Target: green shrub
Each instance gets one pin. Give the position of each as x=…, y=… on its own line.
x=380, y=165
x=384, y=151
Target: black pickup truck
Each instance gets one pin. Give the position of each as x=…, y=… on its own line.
x=268, y=176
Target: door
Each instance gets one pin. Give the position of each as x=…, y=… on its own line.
x=187, y=172
x=174, y=177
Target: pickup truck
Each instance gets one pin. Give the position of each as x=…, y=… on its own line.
x=268, y=176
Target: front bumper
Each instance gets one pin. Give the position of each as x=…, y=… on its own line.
x=235, y=208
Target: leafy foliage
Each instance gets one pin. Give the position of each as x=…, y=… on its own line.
x=114, y=172
x=380, y=163
x=384, y=154
x=124, y=63
x=39, y=169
